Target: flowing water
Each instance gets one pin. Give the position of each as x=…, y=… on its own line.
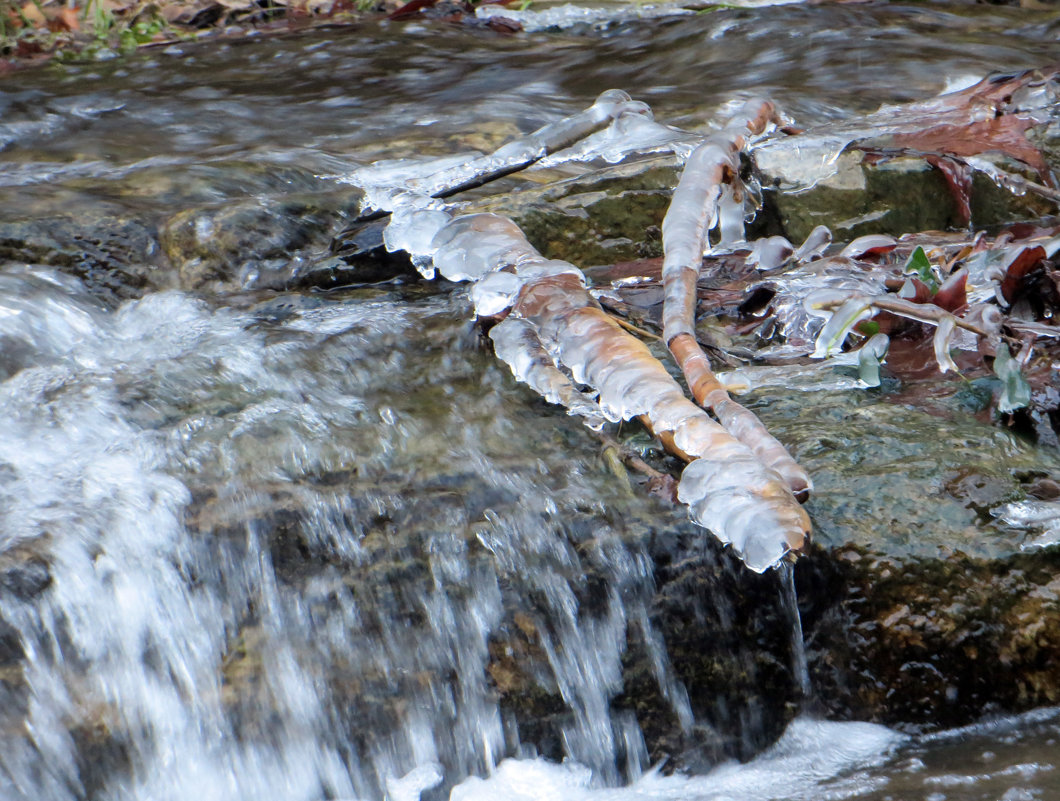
x=282, y=544
x=789, y=596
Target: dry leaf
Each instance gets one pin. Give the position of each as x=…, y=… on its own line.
x=33, y=15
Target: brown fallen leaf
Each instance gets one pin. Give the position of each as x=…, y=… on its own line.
x=1005, y=134
x=33, y=15
x=959, y=181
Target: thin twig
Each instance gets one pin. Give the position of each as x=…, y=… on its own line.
x=630, y=458
x=922, y=312
x=635, y=329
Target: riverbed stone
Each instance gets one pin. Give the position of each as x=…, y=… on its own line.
x=935, y=643
x=254, y=243
x=921, y=609
x=117, y=258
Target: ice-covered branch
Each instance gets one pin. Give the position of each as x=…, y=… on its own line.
x=444, y=177
x=555, y=329
x=556, y=337
x=709, y=177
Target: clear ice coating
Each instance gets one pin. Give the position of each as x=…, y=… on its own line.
x=801, y=162
x=1041, y=516
x=801, y=285
x=515, y=341
x=410, y=183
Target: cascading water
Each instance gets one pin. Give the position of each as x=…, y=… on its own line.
x=322, y=547
x=790, y=601
x=255, y=549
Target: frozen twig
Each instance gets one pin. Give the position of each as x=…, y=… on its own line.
x=556, y=336
x=518, y=155
x=692, y=213
x=922, y=312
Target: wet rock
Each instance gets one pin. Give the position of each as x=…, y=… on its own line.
x=920, y=608
x=605, y=216
x=252, y=244
x=727, y=638
x=24, y=575
x=890, y=196
x=938, y=642
x=360, y=257
x=117, y=258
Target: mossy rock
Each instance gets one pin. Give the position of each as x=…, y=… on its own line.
x=605, y=216
x=894, y=196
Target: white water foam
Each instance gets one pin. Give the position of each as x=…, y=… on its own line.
x=813, y=760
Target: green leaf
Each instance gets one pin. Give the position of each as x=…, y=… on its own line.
x=868, y=328
x=1015, y=391
x=920, y=265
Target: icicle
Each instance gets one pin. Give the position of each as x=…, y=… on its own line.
x=516, y=343
x=494, y=293
x=1015, y=391
x=730, y=219
x=941, y=343
x=870, y=357
x=770, y=252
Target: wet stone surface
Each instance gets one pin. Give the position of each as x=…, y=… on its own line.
x=116, y=258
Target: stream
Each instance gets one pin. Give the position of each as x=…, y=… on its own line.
x=264, y=541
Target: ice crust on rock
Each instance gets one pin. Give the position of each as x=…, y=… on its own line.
x=634, y=131
x=392, y=184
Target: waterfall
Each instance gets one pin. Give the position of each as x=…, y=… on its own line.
x=275, y=548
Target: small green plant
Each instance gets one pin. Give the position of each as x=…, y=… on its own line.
x=920, y=266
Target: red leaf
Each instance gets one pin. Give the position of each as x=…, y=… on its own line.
x=1005, y=134
x=921, y=294
x=959, y=181
x=953, y=294
x=1025, y=262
